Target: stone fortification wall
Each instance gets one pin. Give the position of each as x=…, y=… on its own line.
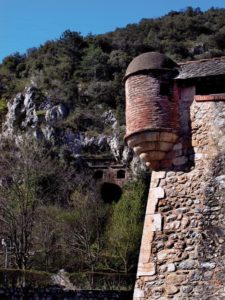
x=57, y=293
x=183, y=246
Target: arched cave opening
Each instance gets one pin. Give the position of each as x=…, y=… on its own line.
x=110, y=192
x=98, y=174
x=120, y=174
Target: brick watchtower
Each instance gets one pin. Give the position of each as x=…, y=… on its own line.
x=151, y=108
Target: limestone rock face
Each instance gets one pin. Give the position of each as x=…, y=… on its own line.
x=62, y=280
x=95, y=144
x=56, y=113
x=21, y=112
x=109, y=119
x=115, y=146
x=137, y=166
x=73, y=141
x=49, y=133
x=127, y=155
x=36, y=114
x=113, y=141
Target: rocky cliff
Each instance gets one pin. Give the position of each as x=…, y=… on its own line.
x=33, y=113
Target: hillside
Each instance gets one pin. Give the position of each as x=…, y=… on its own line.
x=81, y=70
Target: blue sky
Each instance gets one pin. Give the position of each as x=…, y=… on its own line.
x=28, y=23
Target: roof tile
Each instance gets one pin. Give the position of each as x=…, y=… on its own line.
x=202, y=68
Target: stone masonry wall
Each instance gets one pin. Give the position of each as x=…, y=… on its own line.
x=183, y=245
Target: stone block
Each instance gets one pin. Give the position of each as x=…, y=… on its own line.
x=171, y=289
x=146, y=269
x=185, y=222
x=166, y=254
x=172, y=226
x=138, y=294
x=221, y=180
x=175, y=278
x=153, y=222
x=187, y=289
x=171, y=218
x=154, y=195
x=171, y=267
x=208, y=265
x=187, y=264
x=159, y=175
x=146, y=245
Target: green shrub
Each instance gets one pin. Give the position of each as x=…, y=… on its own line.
x=41, y=112
x=102, y=280
x=3, y=109
x=3, y=106
x=19, y=278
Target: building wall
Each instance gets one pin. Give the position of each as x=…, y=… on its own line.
x=183, y=245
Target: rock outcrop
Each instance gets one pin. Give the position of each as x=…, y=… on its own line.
x=36, y=114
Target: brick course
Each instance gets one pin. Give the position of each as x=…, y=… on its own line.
x=218, y=97
x=146, y=108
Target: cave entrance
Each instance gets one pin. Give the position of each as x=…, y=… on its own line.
x=98, y=174
x=110, y=192
x=120, y=174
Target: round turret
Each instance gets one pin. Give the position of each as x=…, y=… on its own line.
x=152, y=121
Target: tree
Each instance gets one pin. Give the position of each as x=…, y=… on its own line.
x=50, y=249
x=125, y=228
x=94, y=63
x=11, y=62
x=119, y=60
x=220, y=39
x=84, y=224
x=22, y=169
